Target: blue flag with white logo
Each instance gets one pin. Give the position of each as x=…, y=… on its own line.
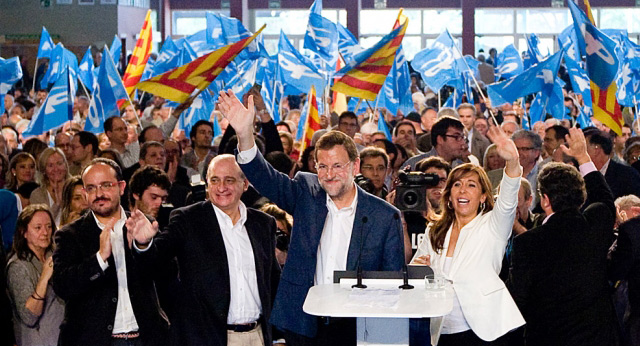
x=167, y=58
x=61, y=58
x=103, y=100
x=297, y=73
x=602, y=60
x=222, y=30
x=46, y=44
x=116, y=48
x=85, y=70
x=532, y=80
x=580, y=21
x=347, y=43
x=533, y=55
x=568, y=40
x=508, y=63
x=115, y=81
x=56, y=109
x=437, y=64
x=10, y=73
x=200, y=109
x=242, y=82
x=322, y=37
x=579, y=81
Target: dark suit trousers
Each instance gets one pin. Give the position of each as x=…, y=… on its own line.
x=339, y=332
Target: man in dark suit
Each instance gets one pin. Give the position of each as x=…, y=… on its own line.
x=622, y=179
x=478, y=143
x=558, y=272
x=109, y=299
x=226, y=256
x=338, y=226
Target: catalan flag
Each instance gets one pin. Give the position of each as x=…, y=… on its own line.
x=313, y=119
x=139, y=57
x=365, y=74
x=178, y=84
x=605, y=104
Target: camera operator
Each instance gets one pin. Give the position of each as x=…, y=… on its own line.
x=373, y=171
x=419, y=194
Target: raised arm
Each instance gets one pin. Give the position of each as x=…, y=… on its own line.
x=240, y=117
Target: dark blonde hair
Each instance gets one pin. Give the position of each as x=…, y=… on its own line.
x=67, y=197
x=444, y=220
x=20, y=246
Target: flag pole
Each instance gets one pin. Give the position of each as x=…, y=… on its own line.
x=358, y=105
x=439, y=101
x=455, y=95
x=35, y=74
x=84, y=88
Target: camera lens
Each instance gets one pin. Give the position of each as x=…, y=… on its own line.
x=410, y=199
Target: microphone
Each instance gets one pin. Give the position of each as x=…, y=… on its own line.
x=359, y=283
x=405, y=278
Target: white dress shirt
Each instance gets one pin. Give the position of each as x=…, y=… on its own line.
x=335, y=240
x=336, y=233
x=125, y=320
x=245, y=305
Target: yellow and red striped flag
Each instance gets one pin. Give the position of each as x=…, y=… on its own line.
x=605, y=104
x=178, y=84
x=139, y=57
x=339, y=100
x=313, y=120
x=365, y=75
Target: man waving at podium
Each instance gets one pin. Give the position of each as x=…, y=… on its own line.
x=338, y=226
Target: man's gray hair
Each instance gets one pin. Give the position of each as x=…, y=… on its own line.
x=536, y=141
x=628, y=201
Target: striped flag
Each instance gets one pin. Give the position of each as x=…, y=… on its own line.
x=139, y=57
x=365, y=74
x=313, y=120
x=178, y=84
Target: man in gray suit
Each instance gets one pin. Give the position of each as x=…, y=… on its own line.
x=477, y=142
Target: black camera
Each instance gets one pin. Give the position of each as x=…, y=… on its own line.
x=411, y=193
x=365, y=183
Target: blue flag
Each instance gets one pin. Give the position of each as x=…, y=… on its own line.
x=579, y=81
x=353, y=102
x=297, y=73
x=555, y=104
x=214, y=31
x=568, y=40
x=347, y=43
x=454, y=100
x=222, y=30
x=382, y=127
x=200, y=109
x=10, y=73
x=187, y=53
x=322, y=37
x=103, y=101
x=61, y=58
x=199, y=44
x=167, y=58
x=508, y=63
x=56, y=109
x=580, y=21
x=242, y=82
x=533, y=54
x=534, y=79
x=148, y=68
x=602, y=60
x=116, y=48
x=85, y=70
x=272, y=90
x=437, y=64
x=536, y=110
x=115, y=81
x=46, y=45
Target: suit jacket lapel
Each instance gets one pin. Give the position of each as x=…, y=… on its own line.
x=258, y=248
x=359, y=231
x=213, y=235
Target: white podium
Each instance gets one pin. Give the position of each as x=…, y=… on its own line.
x=382, y=310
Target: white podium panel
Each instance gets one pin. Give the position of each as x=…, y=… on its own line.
x=383, y=310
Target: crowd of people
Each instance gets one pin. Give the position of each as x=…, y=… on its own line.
x=147, y=235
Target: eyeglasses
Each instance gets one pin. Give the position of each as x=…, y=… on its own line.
x=107, y=185
x=458, y=137
x=371, y=168
x=336, y=167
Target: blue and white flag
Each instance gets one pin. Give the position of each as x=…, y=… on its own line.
x=242, y=82
x=56, y=109
x=297, y=73
x=555, y=104
x=579, y=82
x=602, y=60
x=115, y=81
x=569, y=41
x=580, y=21
x=199, y=44
x=10, y=73
x=628, y=85
x=272, y=91
x=536, y=109
x=103, y=101
x=322, y=37
x=61, y=58
x=200, y=109
x=533, y=55
x=454, y=100
x=214, y=31
x=187, y=53
x=116, y=48
x=225, y=30
x=382, y=127
x=508, y=63
x=536, y=78
x=46, y=45
x=167, y=58
x=148, y=68
x=85, y=70
x=353, y=102
x=347, y=43
x=437, y=64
